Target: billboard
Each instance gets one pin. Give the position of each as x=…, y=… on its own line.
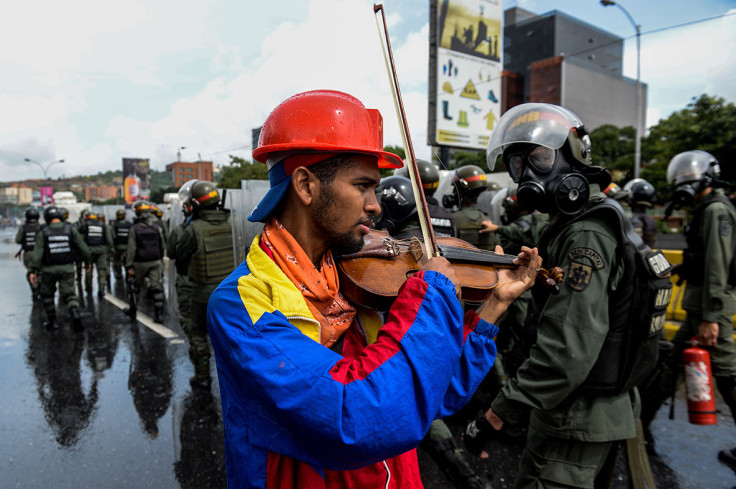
x=136, y=179
x=465, y=71
x=47, y=195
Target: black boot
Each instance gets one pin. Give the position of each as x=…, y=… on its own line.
x=130, y=311
x=158, y=315
x=76, y=319
x=50, y=322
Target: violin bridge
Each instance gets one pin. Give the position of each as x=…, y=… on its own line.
x=415, y=248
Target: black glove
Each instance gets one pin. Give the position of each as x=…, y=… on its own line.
x=477, y=434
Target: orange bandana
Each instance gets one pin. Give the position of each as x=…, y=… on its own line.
x=319, y=287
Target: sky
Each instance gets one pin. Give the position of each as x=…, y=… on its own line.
x=93, y=82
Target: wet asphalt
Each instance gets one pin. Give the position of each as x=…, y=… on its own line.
x=111, y=407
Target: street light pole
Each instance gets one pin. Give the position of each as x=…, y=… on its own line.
x=44, y=166
x=637, y=143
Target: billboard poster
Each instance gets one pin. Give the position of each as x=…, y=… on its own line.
x=136, y=179
x=47, y=195
x=466, y=94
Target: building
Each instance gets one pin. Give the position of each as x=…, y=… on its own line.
x=556, y=58
x=102, y=192
x=182, y=171
x=16, y=193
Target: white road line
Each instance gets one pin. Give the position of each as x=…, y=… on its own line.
x=143, y=319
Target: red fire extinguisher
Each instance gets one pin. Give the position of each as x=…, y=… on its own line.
x=701, y=405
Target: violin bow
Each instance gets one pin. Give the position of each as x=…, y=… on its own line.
x=430, y=241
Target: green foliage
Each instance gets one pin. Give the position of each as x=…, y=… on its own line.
x=157, y=194
x=397, y=150
x=613, y=148
x=241, y=169
x=477, y=158
x=707, y=123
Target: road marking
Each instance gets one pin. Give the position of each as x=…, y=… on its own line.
x=143, y=319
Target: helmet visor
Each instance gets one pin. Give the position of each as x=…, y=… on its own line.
x=688, y=167
x=540, y=124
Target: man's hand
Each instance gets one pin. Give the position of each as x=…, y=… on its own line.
x=479, y=431
x=440, y=264
x=488, y=227
x=33, y=278
x=88, y=268
x=512, y=282
x=708, y=333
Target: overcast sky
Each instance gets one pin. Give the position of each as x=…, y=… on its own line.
x=92, y=82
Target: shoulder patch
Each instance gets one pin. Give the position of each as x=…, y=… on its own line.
x=724, y=227
x=595, y=259
x=578, y=277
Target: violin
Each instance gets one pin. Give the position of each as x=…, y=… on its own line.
x=372, y=277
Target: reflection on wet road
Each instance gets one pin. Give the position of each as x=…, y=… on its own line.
x=111, y=407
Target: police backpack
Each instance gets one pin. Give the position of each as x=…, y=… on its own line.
x=636, y=310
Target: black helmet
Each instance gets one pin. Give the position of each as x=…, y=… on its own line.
x=50, y=213
x=396, y=197
x=428, y=174
x=120, y=214
x=469, y=181
x=64, y=213
x=142, y=207
x=32, y=214
x=641, y=192
x=204, y=195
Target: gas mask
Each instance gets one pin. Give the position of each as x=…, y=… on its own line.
x=546, y=180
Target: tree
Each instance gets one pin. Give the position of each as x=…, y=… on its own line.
x=241, y=169
x=613, y=148
x=707, y=123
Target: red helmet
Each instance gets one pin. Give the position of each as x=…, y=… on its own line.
x=323, y=121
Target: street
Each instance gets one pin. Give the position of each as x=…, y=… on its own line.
x=112, y=407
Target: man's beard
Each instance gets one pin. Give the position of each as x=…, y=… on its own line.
x=326, y=212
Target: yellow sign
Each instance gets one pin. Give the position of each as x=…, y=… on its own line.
x=469, y=91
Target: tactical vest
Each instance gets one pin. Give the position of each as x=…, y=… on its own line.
x=636, y=311
x=214, y=259
x=468, y=222
x=148, y=243
x=693, y=258
x=441, y=218
x=57, y=245
x=29, y=235
x=122, y=230
x=94, y=234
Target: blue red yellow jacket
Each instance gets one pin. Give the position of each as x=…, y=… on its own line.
x=297, y=414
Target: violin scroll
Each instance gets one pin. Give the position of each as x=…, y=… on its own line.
x=551, y=277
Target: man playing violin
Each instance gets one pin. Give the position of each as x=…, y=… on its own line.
x=573, y=425
x=316, y=391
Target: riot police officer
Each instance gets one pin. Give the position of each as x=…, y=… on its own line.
x=710, y=271
x=640, y=198
x=143, y=258
x=99, y=240
x=53, y=257
x=120, y=229
x=546, y=151
x=471, y=224
x=26, y=238
x=206, y=250
x=442, y=220
x=183, y=284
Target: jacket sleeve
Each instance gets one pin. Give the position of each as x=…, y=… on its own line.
x=718, y=235
x=132, y=248
x=286, y=393
x=19, y=235
x=37, y=253
x=186, y=247
x=108, y=237
x=571, y=329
